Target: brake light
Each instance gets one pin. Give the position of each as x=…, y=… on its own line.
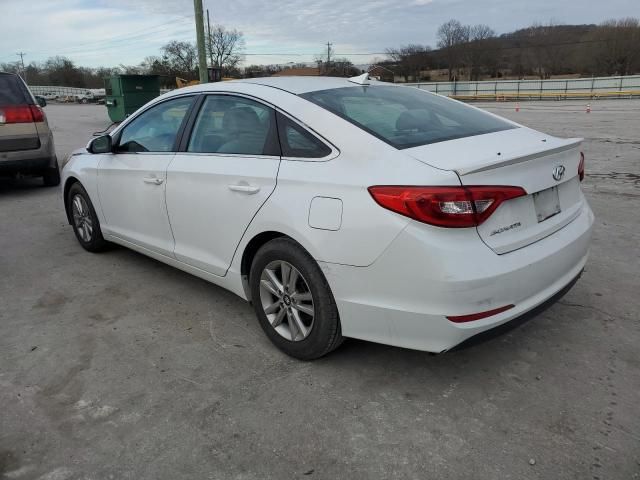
x=37, y=113
x=581, y=167
x=477, y=316
x=21, y=114
x=454, y=207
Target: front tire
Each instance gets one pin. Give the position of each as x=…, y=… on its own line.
x=84, y=220
x=293, y=301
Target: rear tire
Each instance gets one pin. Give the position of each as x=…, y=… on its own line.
x=51, y=176
x=293, y=301
x=84, y=220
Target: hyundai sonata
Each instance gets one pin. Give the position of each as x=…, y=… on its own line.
x=341, y=207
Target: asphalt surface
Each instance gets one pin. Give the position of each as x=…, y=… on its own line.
x=114, y=366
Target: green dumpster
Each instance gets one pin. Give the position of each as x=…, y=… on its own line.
x=126, y=93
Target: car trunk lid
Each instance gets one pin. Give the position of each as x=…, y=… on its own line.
x=546, y=167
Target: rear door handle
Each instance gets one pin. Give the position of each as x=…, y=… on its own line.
x=245, y=188
x=153, y=180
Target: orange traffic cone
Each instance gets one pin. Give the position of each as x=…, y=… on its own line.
x=588, y=108
x=517, y=107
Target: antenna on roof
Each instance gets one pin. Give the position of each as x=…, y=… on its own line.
x=361, y=79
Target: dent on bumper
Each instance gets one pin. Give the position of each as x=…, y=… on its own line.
x=404, y=297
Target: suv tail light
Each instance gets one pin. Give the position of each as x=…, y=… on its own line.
x=581, y=167
x=21, y=114
x=454, y=207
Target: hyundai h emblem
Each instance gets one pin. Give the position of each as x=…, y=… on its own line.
x=558, y=173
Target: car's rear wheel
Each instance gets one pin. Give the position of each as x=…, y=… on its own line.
x=293, y=301
x=51, y=177
x=84, y=220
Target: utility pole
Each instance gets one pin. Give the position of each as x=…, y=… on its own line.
x=209, y=44
x=24, y=72
x=202, y=55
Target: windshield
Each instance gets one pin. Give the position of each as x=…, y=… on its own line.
x=406, y=117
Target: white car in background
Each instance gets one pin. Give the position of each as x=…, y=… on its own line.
x=341, y=207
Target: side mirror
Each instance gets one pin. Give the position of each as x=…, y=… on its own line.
x=41, y=101
x=101, y=144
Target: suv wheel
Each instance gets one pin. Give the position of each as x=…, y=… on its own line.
x=293, y=301
x=51, y=176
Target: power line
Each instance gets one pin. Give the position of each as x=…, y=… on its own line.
x=152, y=30
x=517, y=47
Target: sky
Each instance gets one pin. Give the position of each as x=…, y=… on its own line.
x=112, y=32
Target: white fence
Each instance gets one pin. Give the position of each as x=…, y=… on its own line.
x=62, y=92
x=569, y=88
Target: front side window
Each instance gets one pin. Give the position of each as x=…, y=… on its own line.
x=156, y=129
x=234, y=125
x=406, y=117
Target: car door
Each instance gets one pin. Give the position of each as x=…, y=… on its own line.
x=132, y=179
x=216, y=185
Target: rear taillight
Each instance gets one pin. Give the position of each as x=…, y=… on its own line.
x=454, y=207
x=581, y=167
x=21, y=114
x=37, y=113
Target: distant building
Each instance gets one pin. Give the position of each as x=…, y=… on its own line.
x=298, y=72
x=381, y=73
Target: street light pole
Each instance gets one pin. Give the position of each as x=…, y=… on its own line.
x=202, y=55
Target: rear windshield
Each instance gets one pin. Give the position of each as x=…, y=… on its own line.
x=406, y=117
x=12, y=92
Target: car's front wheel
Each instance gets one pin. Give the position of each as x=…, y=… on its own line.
x=84, y=220
x=293, y=301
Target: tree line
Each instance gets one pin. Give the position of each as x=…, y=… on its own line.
x=474, y=52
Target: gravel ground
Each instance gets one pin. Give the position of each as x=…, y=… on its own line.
x=115, y=366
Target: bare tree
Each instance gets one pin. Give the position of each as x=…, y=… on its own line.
x=617, y=46
x=451, y=35
x=341, y=67
x=477, y=52
x=180, y=59
x=224, y=47
x=546, y=53
x=411, y=60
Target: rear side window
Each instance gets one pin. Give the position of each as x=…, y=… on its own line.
x=12, y=91
x=235, y=125
x=298, y=142
x=406, y=117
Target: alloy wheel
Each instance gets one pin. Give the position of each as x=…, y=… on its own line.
x=287, y=300
x=82, y=218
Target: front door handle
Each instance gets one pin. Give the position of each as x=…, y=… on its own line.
x=153, y=180
x=245, y=188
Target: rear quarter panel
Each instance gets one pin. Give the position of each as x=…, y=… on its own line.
x=366, y=229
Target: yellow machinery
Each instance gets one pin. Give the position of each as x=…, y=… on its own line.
x=181, y=82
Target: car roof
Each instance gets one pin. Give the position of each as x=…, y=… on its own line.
x=295, y=85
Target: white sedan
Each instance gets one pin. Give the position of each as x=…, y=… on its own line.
x=341, y=207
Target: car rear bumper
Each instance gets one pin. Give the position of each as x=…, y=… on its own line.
x=33, y=161
x=26, y=166
x=428, y=273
